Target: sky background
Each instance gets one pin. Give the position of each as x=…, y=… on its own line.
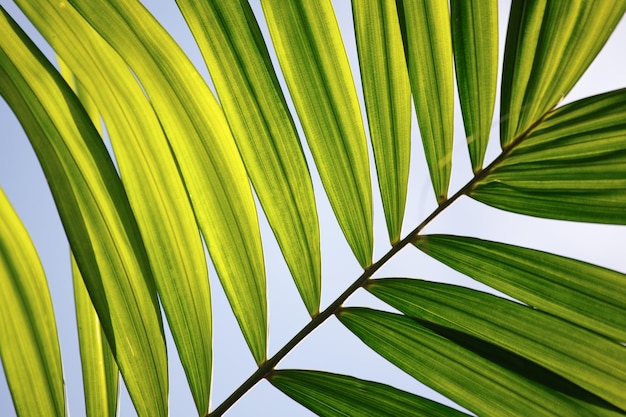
x=331, y=347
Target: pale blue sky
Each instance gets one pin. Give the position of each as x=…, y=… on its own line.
x=331, y=347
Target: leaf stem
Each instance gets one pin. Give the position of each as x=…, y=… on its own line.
x=266, y=368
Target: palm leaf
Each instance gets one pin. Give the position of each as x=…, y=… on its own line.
x=250, y=94
x=549, y=46
x=571, y=167
x=96, y=214
x=454, y=365
x=156, y=192
x=99, y=369
x=205, y=153
x=329, y=394
x=583, y=357
x=475, y=41
x=588, y=295
x=29, y=346
x=314, y=62
x=429, y=55
x=187, y=162
x=100, y=372
x=388, y=101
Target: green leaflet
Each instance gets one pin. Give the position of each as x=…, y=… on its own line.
x=100, y=373
x=205, y=152
x=587, y=359
x=95, y=213
x=571, y=167
x=429, y=46
x=388, y=101
x=150, y=176
x=314, y=62
x=99, y=369
x=581, y=293
x=453, y=364
x=475, y=41
x=29, y=346
x=329, y=394
x=241, y=70
x=549, y=45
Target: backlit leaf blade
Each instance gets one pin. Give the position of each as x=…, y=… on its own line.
x=571, y=167
x=329, y=394
x=585, y=294
x=100, y=372
x=310, y=50
x=151, y=178
x=99, y=369
x=387, y=94
x=29, y=345
x=549, y=45
x=475, y=41
x=431, y=72
x=95, y=213
x=205, y=151
x=248, y=89
x=587, y=359
x=442, y=362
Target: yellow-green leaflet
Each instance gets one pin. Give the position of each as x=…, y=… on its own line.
x=100, y=372
x=95, y=213
x=29, y=346
x=453, y=363
x=387, y=94
x=248, y=89
x=549, y=45
x=581, y=293
x=151, y=178
x=205, y=152
x=330, y=395
x=475, y=42
x=429, y=54
x=585, y=358
x=571, y=167
x=99, y=369
x=314, y=62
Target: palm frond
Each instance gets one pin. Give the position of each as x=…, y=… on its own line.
x=189, y=168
